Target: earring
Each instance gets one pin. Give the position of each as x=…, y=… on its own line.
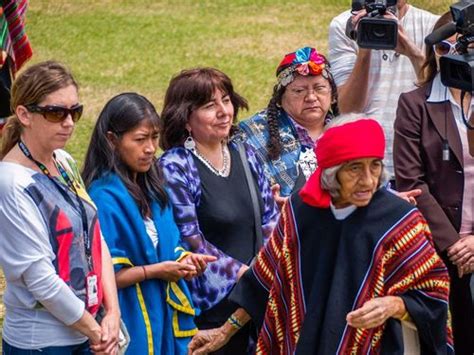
x=189, y=143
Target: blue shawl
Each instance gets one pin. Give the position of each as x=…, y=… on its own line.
x=158, y=314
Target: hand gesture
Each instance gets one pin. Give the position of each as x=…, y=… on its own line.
x=199, y=261
x=169, y=270
x=461, y=254
x=280, y=201
x=409, y=196
x=357, y=16
x=206, y=341
x=375, y=312
x=110, y=327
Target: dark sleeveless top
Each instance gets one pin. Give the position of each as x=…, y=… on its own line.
x=226, y=219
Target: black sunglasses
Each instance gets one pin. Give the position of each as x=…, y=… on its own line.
x=57, y=114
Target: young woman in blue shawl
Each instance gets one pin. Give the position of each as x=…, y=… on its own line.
x=138, y=226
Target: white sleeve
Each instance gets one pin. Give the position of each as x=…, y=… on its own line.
x=27, y=258
x=342, y=50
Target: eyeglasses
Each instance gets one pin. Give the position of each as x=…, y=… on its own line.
x=444, y=47
x=304, y=92
x=57, y=114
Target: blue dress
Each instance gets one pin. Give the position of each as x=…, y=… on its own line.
x=158, y=314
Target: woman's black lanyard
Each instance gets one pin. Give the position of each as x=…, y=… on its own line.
x=67, y=197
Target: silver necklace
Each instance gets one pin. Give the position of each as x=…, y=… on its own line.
x=224, y=172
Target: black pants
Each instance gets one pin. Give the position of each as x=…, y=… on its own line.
x=79, y=349
x=462, y=309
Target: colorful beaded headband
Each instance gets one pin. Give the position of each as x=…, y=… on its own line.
x=305, y=61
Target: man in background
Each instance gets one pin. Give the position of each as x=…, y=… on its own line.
x=371, y=81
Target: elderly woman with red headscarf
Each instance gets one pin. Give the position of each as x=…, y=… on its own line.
x=351, y=268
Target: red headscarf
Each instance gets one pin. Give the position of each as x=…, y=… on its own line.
x=363, y=138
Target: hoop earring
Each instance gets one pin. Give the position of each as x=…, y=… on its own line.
x=189, y=143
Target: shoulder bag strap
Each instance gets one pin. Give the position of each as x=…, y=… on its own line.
x=253, y=195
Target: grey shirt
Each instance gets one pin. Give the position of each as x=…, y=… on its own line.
x=39, y=304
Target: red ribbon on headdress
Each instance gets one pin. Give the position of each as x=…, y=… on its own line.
x=363, y=138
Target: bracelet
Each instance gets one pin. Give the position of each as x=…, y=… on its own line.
x=235, y=322
x=406, y=317
x=144, y=273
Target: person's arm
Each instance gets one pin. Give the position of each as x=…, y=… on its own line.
x=410, y=170
x=88, y=326
x=251, y=293
x=408, y=48
x=352, y=95
x=166, y=270
x=461, y=254
x=210, y=340
x=376, y=311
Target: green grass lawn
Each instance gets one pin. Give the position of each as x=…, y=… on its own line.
x=114, y=46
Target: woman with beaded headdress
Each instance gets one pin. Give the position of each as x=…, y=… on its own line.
x=211, y=179
x=304, y=99
x=283, y=135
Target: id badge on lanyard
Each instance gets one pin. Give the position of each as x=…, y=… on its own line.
x=92, y=290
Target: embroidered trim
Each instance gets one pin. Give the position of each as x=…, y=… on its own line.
x=184, y=307
x=141, y=301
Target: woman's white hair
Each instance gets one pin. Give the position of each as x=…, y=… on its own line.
x=329, y=175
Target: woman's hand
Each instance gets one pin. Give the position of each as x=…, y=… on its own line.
x=199, y=261
x=376, y=311
x=110, y=327
x=461, y=254
x=169, y=270
x=409, y=196
x=206, y=341
x=280, y=201
x=88, y=326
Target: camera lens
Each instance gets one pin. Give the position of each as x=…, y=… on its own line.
x=379, y=31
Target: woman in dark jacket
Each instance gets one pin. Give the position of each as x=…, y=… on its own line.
x=431, y=154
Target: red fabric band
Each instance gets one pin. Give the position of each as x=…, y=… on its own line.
x=363, y=138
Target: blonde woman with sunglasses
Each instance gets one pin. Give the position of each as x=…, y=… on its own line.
x=431, y=153
x=58, y=269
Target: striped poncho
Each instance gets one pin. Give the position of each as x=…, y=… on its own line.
x=315, y=269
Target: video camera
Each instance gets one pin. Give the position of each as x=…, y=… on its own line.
x=457, y=70
x=374, y=31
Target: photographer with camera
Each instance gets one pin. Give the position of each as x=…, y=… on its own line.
x=431, y=153
x=369, y=80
